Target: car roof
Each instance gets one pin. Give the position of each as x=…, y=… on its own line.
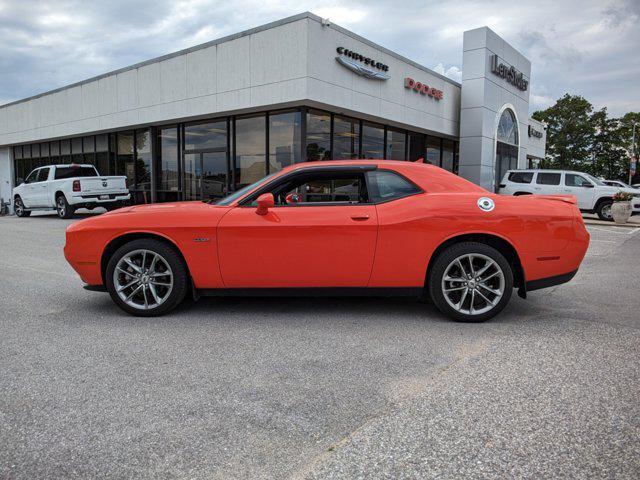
x=546, y=170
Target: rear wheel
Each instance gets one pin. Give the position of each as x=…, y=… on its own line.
x=63, y=208
x=18, y=208
x=146, y=277
x=604, y=210
x=470, y=282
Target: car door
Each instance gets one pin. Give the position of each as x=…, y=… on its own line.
x=548, y=183
x=28, y=194
x=321, y=233
x=581, y=188
x=40, y=188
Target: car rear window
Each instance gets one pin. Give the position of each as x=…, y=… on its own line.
x=548, y=178
x=521, y=177
x=70, y=172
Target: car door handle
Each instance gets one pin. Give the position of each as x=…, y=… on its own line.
x=360, y=218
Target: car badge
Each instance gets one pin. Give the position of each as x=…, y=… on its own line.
x=104, y=183
x=486, y=204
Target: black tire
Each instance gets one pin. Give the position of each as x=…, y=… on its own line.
x=18, y=208
x=603, y=210
x=175, y=262
x=442, y=263
x=63, y=208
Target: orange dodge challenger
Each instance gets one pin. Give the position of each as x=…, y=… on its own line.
x=362, y=227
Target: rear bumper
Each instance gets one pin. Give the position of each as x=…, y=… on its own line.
x=550, y=281
x=95, y=199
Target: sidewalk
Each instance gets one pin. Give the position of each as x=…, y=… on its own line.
x=592, y=219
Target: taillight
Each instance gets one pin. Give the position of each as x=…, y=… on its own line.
x=76, y=185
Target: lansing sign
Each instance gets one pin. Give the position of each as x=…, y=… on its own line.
x=510, y=74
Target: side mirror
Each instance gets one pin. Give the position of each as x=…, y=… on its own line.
x=292, y=198
x=265, y=202
x=587, y=185
x=19, y=181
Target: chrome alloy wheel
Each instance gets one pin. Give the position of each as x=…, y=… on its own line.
x=473, y=284
x=62, y=209
x=143, y=279
x=18, y=207
x=606, y=211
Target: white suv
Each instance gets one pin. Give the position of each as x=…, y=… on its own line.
x=593, y=195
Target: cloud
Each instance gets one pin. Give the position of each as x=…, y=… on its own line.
x=453, y=72
x=589, y=50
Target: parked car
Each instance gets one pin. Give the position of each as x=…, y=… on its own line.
x=65, y=188
x=593, y=195
x=617, y=183
x=401, y=228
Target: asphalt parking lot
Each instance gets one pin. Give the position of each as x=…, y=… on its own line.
x=316, y=388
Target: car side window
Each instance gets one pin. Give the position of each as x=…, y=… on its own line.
x=323, y=188
x=573, y=180
x=386, y=185
x=545, y=178
x=32, y=176
x=43, y=175
x=521, y=177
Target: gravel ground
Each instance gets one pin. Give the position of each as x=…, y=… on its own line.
x=316, y=388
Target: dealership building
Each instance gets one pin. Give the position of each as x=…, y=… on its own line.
x=203, y=122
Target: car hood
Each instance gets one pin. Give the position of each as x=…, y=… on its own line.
x=613, y=190
x=173, y=207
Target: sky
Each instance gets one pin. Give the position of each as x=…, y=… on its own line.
x=589, y=48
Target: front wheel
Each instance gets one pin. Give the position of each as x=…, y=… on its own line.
x=146, y=277
x=604, y=210
x=18, y=208
x=470, y=282
x=63, y=208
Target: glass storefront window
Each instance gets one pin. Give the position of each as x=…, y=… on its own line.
x=318, y=141
x=250, y=164
x=124, y=159
x=417, y=146
x=346, y=138
x=65, y=151
x=102, y=154
x=54, y=149
x=168, y=171
x=76, y=150
x=205, y=135
x=88, y=148
x=433, y=151
x=447, y=154
x=284, y=140
x=143, y=165
x=395, y=144
x=372, y=141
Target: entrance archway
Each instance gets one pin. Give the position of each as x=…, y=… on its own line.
x=507, y=143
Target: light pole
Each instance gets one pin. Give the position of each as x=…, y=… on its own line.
x=634, y=159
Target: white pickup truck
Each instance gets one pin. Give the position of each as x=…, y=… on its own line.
x=592, y=194
x=65, y=188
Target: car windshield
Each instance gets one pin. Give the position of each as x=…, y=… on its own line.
x=229, y=199
x=600, y=183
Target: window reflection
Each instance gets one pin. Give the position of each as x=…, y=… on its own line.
x=346, y=138
x=372, y=141
x=250, y=150
x=318, y=136
x=205, y=135
x=284, y=140
x=143, y=165
x=395, y=144
x=433, y=151
x=124, y=160
x=168, y=173
x=417, y=146
x=447, y=154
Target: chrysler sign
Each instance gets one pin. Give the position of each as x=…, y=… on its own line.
x=510, y=74
x=362, y=65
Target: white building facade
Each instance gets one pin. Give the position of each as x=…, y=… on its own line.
x=202, y=122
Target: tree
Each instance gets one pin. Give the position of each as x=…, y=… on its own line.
x=626, y=136
x=570, y=131
x=608, y=156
